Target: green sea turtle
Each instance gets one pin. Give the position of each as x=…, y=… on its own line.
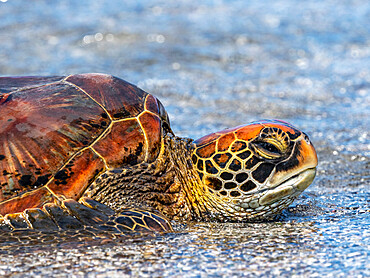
x=96, y=150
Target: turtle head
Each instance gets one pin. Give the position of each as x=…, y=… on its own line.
x=254, y=171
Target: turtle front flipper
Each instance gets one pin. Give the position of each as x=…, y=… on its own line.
x=86, y=214
x=134, y=220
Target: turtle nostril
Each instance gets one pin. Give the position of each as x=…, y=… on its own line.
x=305, y=137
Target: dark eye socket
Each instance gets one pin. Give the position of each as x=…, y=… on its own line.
x=268, y=147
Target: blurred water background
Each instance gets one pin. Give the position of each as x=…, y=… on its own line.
x=217, y=64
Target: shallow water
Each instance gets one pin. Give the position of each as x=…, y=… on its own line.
x=215, y=65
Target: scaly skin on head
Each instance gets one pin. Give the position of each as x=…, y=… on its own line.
x=270, y=164
x=253, y=172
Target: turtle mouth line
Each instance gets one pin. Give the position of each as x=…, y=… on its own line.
x=297, y=179
x=292, y=186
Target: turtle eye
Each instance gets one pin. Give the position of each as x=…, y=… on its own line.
x=269, y=147
x=269, y=150
x=272, y=143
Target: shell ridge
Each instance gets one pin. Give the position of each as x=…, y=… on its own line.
x=145, y=135
x=62, y=167
x=25, y=88
x=86, y=93
x=102, y=158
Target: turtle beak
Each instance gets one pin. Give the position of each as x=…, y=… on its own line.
x=308, y=153
x=294, y=181
x=306, y=167
x=308, y=162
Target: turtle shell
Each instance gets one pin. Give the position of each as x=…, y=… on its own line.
x=57, y=134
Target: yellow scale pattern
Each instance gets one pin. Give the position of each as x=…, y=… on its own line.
x=224, y=172
x=238, y=170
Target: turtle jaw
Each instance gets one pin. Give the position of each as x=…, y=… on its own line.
x=291, y=187
x=270, y=201
x=283, y=187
